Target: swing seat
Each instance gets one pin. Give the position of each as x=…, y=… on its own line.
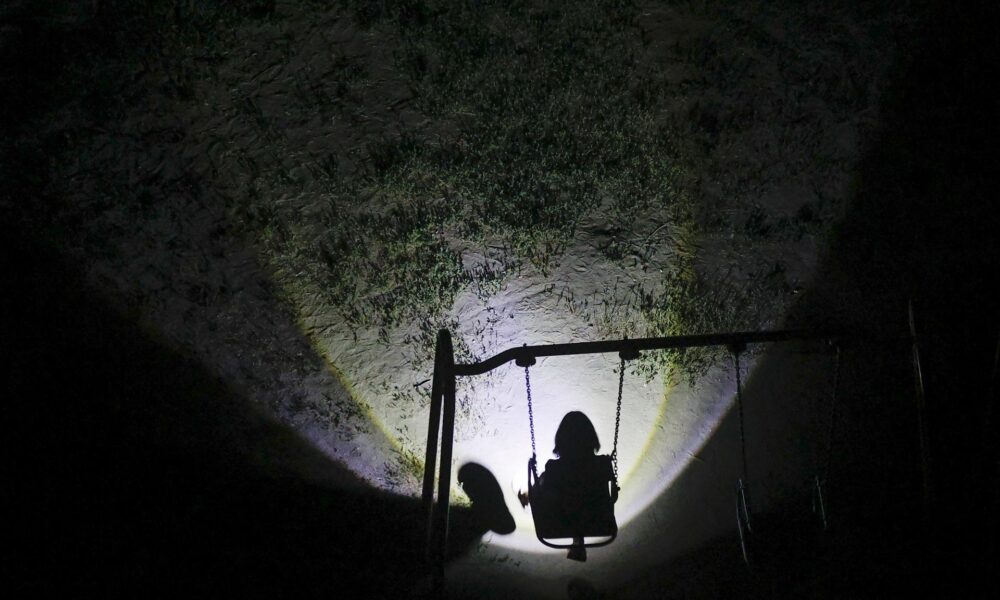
x=568, y=515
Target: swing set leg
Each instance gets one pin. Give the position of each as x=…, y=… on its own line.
x=442, y=419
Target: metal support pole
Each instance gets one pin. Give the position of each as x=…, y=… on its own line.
x=430, y=458
x=439, y=526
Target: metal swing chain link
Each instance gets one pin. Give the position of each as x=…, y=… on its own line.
x=531, y=415
x=618, y=420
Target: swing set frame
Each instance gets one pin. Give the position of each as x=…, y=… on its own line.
x=442, y=407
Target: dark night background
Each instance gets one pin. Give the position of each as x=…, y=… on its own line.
x=113, y=497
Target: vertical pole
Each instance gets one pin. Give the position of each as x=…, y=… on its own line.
x=440, y=524
x=430, y=458
x=918, y=380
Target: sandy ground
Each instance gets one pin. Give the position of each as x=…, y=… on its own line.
x=779, y=143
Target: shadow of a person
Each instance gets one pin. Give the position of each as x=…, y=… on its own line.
x=489, y=511
x=578, y=487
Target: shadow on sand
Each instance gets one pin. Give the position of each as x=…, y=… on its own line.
x=137, y=472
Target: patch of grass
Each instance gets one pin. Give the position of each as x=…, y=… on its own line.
x=535, y=115
x=549, y=118
x=541, y=129
x=87, y=65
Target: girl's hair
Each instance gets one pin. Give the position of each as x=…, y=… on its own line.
x=576, y=436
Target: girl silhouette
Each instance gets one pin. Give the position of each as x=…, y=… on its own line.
x=578, y=487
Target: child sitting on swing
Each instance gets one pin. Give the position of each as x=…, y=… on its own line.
x=578, y=485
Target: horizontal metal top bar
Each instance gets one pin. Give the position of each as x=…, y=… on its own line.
x=655, y=343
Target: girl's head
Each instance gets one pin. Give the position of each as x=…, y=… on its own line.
x=576, y=436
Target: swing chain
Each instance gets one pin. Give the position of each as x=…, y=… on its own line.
x=531, y=415
x=737, y=349
x=627, y=353
x=742, y=503
x=526, y=360
x=618, y=419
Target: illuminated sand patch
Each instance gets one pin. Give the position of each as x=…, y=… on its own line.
x=586, y=298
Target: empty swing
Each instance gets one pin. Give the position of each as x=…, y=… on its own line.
x=742, y=503
x=743, y=513
x=574, y=498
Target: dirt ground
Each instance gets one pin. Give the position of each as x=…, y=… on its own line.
x=157, y=204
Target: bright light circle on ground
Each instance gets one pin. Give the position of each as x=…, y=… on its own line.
x=661, y=428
